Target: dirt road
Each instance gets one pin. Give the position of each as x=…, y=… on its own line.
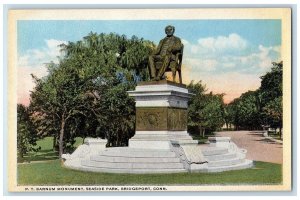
x=258, y=147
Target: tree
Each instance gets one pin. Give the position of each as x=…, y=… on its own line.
x=271, y=83
x=248, y=111
x=115, y=113
x=229, y=115
x=58, y=99
x=196, y=105
x=271, y=92
x=261, y=107
x=212, y=112
x=86, y=91
x=26, y=134
x=205, y=111
x=273, y=114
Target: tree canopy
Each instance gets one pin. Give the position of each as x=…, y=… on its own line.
x=85, y=93
x=26, y=132
x=205, y=111
x=262, y=107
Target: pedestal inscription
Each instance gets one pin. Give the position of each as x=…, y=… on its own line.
x=177, y=119
x=161, y=119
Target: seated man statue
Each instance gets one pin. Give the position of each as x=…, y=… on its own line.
x=165, y=57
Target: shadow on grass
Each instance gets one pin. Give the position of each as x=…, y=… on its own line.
x=46, y=153
x=42, y=155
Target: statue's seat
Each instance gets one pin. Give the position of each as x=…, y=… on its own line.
x=175, y=65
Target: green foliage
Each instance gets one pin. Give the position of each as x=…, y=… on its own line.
x=246, y=111
x=115, y=113
x=273, y=110
x=273, y=113
x=271, y=90
x=213, y=111
x=271, y=83
x=52, y=173
x=26, y=134
x=262, y=107
x=85, y=94
x=196, y=104
x=205, y=111
x=229, y=115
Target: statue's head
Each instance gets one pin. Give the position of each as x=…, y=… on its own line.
x=170, y=30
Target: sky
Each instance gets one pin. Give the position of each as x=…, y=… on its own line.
x=228, y=56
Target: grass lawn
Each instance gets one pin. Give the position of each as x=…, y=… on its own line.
x=46, y=152
x=52, y=173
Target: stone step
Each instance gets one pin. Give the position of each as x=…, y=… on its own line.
x=208, y=151
x=138, y=154
x=115, y=165
x=244, y=165
x=127, y=171
x=228, y=162
x=160, y=138
x=155, y=137
x=221, y=156
x=132, y=149
x=134, y=159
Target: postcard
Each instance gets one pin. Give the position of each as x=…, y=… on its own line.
x=150, y=100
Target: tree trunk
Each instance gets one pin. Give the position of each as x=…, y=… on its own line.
x=226, y=126
x=55, y=143
x=200, y=130
x=203, y=133
x=61, y=138
x=280, y=132
x=118, y=139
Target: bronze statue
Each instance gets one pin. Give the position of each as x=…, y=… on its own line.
x=167, y=57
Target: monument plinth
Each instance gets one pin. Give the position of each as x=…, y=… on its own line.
x=161, y=114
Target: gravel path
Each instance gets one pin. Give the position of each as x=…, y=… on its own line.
x=259, y=148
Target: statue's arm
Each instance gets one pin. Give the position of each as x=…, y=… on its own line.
x=176, y=47
x=157, y=50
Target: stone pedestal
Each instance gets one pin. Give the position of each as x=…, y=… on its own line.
x=161, y=114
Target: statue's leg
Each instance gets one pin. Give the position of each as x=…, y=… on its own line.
x=166, y=62
x=152, y=67
x=173, y=73
x=173, y=67
x=179, y=74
